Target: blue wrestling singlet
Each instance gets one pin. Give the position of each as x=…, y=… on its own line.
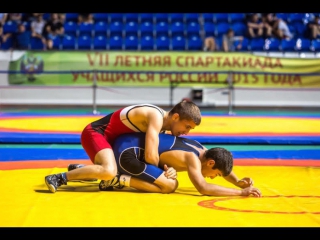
x=129, y=153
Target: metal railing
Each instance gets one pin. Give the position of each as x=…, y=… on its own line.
x=228, y=82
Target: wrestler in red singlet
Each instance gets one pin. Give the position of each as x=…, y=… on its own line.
x=101, y=134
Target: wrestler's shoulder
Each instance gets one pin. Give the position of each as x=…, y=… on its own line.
x=146, y=108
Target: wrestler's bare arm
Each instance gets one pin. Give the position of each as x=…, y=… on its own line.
x=148, y=120
x=241, y=183
x=196, y=177
x=154, y=125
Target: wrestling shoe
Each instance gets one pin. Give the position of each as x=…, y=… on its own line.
x=54, y=181
x=75, y=166
x=110, y=184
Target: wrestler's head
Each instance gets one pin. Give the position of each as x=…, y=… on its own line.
x=217, y=162
x=183, y=117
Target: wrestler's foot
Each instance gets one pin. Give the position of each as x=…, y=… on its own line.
x=109, y=184
x=54, y=181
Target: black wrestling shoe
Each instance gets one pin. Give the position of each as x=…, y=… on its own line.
x=54, y=181
x=74, y=166
x=110, y=184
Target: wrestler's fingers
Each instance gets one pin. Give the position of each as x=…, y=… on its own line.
x=243, y=180
x=256, y=193
x=165, y=167
x=247, y=181
x=172, y=175
x=171, y=170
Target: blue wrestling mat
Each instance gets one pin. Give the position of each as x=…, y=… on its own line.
x=27, y=152
x=13, y=137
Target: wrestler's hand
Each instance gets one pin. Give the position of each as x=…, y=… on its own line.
x=251, y=191
x=245, y=182
x=170, y=172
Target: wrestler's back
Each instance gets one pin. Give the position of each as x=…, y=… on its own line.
x=176, y=155
x=172, y=150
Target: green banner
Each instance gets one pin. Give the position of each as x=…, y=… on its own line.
x=159, y=69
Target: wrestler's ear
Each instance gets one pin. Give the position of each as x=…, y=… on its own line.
x=175, y=117
x=211, y=163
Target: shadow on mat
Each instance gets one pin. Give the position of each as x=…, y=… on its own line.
x=82, y=187
x=188, y=191
x=94, y=187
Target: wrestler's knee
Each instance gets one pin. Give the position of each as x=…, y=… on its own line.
x=170, y=187
x=108, y=167
x=108, y=172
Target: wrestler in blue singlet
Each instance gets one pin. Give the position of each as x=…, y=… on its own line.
x=129, y=153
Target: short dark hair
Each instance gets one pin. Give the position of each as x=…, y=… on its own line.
x=187, y=110
x=223, y=159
